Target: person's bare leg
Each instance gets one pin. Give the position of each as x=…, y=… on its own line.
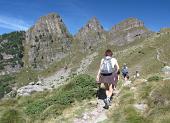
x=110, y=90
x=107, y=89
x=125, y=78
x=99, y=85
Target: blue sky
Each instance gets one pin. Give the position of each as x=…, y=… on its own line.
x=22, y=14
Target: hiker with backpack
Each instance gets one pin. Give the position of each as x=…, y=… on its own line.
x=108, y=74
x=125, y=72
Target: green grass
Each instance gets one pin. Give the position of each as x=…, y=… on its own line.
x=154, y=78
x=6, y=82
x=12, y=116
x=141, y=53
x=79, y=89
x=13, y=46
x=25, y=76
x=41, y=106
x=126, y=97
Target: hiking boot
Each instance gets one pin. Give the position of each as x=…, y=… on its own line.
x=107, y=102
x=106, y=107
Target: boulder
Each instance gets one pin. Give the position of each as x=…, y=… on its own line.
x=166, y=70
x=27, y=90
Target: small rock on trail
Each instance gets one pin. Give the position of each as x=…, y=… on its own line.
x=93, y=115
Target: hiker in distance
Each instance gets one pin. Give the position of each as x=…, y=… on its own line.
x=125, y=72
x=108, y=74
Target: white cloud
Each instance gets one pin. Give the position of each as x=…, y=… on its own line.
x=13, y=23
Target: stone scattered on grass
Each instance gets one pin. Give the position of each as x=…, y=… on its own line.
x=166, y=69
x=127, y=83
x=140, y=106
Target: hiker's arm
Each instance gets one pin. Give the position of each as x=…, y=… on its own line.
x=98, y=74
x=118, y=71
x=117, y=66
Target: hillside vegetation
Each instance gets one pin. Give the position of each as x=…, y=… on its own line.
x=11, y=53
x=11, y=44
x=146, y=99
x=47, y=105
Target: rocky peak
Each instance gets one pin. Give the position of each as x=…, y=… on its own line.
x=94, y=24
x=128, y=24
x=91, y=34
x=47, y=41
x=127, y=31
x=52, y=23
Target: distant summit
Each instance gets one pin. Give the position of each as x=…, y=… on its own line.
x=127, y=31
x=128, y=24
x=94, y=24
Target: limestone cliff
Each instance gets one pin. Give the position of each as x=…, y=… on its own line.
x=47, y=41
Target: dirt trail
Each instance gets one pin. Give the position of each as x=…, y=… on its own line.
x=98, y=113
x=158, y=57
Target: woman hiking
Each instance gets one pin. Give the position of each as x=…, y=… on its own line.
x=108, y=74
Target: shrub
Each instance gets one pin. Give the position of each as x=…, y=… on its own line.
x=79, y=88
x=5, y=84
x=11, y=116
x=154, y=78
x=12, y=46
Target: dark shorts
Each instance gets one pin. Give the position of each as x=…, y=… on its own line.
x=110, y=79
x=124, y=74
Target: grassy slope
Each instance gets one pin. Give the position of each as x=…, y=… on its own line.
x=41, y=106
x=27, y=75
x=140, y=54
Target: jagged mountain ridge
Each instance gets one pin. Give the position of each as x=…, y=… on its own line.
x=49, y=39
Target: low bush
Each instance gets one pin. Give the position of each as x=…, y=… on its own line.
x=12, y=116
x=79, y=88
x=154, y=78
x=5, y=84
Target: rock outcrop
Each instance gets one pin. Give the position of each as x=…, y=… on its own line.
x=127, y=31
x=90, y=35
x=47, y=41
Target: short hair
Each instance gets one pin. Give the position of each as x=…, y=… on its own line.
x=108, y=53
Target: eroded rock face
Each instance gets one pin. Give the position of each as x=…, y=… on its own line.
x=90, y=35
x=127, y=31
x=47, y=41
